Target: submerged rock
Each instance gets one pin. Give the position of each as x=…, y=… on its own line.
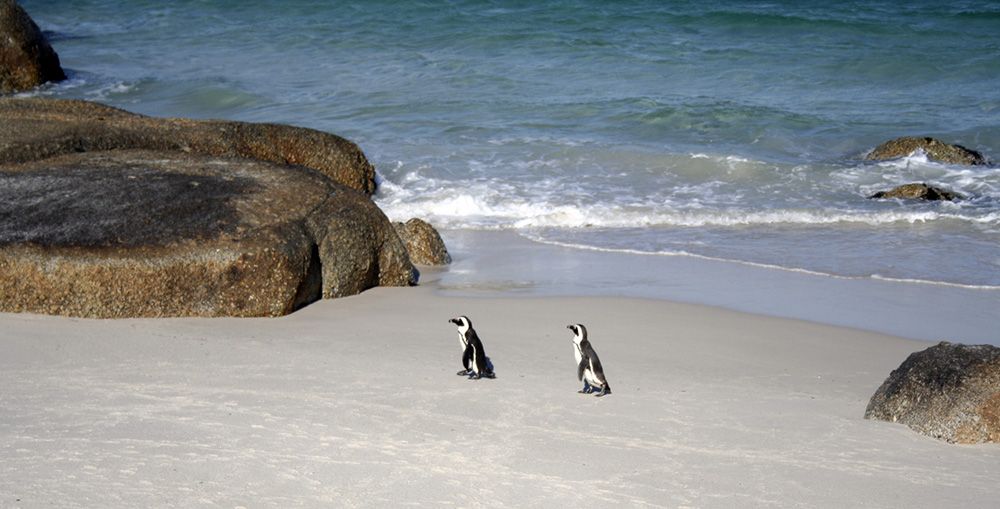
x=949, y=392
x=26, y=58
x=131, y=233
x=423, y=242
x=935, y=149
x=918, y=191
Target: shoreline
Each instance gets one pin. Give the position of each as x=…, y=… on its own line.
x=497, y=263
x=354, y=402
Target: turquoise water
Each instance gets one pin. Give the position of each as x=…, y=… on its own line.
x=717, y=130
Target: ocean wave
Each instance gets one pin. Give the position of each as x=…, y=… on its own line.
x=586, y=247
x=492, y=206
x=466, y=211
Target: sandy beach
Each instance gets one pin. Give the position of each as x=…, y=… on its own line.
x=355, y=403
x=701, y=184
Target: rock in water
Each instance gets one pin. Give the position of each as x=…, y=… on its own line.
x=918, y=191
x=423, y=243
x=26, y=59
x=949, y=392
x=935, y=149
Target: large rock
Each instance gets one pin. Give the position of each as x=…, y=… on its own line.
x=918, y=192
x=949, y=392
x=935, y=149
x=26, y=59
x=34, y=129
x=105, y=213
x=130, y=233
x=423, y=242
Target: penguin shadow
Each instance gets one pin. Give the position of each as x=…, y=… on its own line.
x=477, y=365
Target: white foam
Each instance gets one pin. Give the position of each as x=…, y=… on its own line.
x=481, y=206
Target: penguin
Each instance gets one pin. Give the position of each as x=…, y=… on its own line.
x=474, y=358
x=588, y=367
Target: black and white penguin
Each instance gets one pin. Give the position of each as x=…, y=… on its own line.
x=588, y=366
x=474, y=358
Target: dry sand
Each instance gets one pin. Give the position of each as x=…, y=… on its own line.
x=355, y=403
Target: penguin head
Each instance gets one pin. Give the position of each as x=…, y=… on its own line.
x=462, y=322
x=579, y=332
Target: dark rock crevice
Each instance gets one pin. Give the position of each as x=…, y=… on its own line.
x=311, y=288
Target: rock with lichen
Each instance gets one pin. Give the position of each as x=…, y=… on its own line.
x=950, y=392
x=918, y=191
x=26, y=58
x=423, y=242
x=104, y=213
x=935, y=149
x=38, y=128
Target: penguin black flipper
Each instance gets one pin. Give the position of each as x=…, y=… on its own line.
x=590, y=356
x=471, y=336
x=466, y=360
x=595, y=366
x=479, y=357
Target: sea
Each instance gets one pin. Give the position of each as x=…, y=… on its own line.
x=715, y=147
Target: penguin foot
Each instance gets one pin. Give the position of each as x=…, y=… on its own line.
x=464, y=372
x=474, y=376
x=604, y=391
x=490, y=375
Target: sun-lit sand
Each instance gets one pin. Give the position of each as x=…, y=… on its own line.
x=355, y=402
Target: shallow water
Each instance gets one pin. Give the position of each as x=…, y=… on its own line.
x=725, y=131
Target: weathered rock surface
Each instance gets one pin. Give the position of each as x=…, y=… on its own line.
x=935, y=149
x=37, y=128
x=129, y=233
x=26, y=58
x=949, y=392
x=105, y=213
x=918, y=191
x=423, y=242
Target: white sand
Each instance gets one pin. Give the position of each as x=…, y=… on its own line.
x=354, y=402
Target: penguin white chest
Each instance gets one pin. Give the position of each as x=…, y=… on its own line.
x=577, y=354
